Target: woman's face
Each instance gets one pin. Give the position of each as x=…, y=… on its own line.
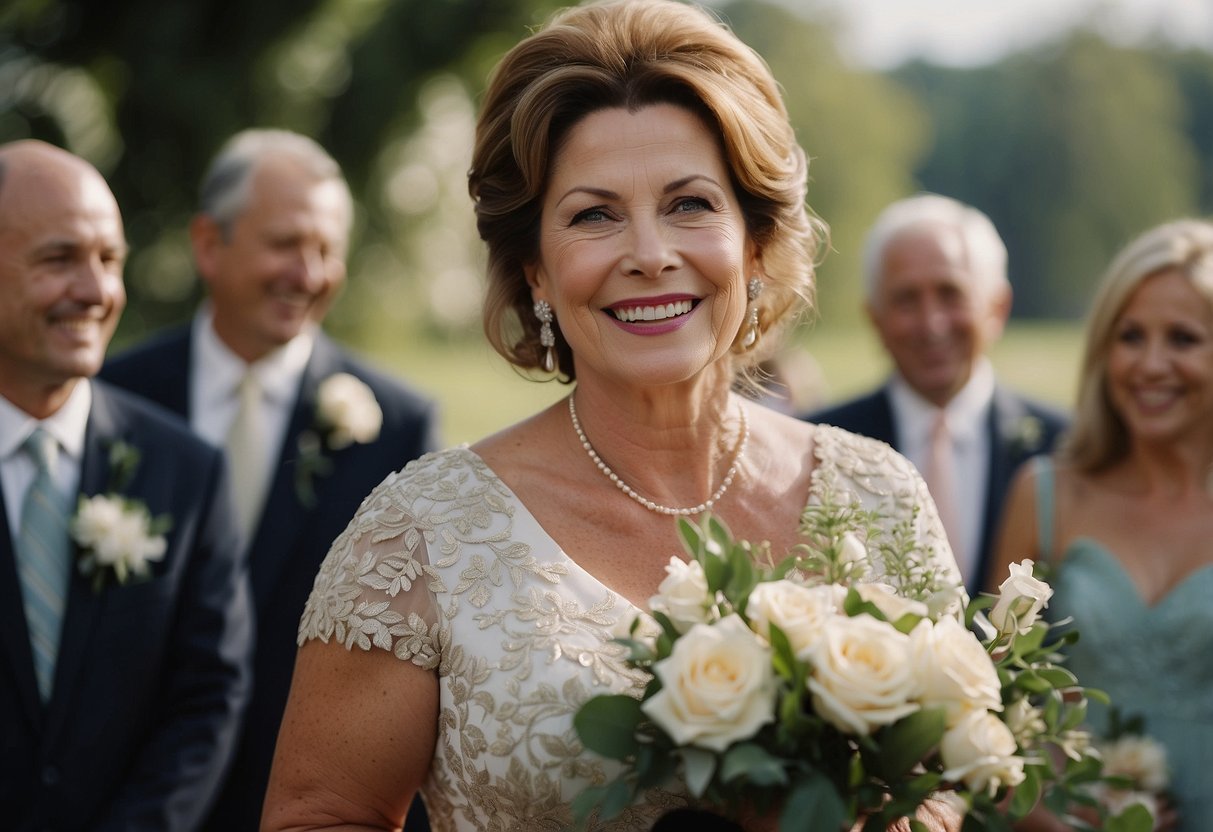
x=643, y=251
x=1160, y=364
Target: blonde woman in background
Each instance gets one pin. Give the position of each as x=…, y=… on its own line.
x=1123, y=514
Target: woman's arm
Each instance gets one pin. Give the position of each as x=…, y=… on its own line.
x=356, y=741
x=1018, y=537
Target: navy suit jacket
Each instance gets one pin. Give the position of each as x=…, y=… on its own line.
x=1018, y=428
x=152, y=676
x=291, y=538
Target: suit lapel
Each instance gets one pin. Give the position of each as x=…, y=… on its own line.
x=883, y=426
x=14, y=638
x=282, y=519
x=172, y=387
x=83, y=603
x=1006, y=413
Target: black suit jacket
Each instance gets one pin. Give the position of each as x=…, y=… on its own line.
x=151, y=677
x=1018, y=428
x=292, y=537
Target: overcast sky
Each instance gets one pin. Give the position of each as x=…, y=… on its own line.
x=884, y=33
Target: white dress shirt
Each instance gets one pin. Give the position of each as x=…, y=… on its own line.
x=17, y=470
x=215, y=375
x=967, y=416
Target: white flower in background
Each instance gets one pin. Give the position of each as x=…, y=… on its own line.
x=852, y=551
x=954, y=670
x=348, y=411
x=683, y=595
x=980, y=751
x=886, y=599
x=1020, y=600
x=796, y=609
x=1140, y=759
x=1075, y=743
x=115, y=535
x=718, y=686
x=947, y=601
x=1025, y=721
x=862, y=674
x=647, y=629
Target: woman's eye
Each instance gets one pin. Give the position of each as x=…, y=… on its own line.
x=589, y=215
x=692, y=203
x=1129, y=336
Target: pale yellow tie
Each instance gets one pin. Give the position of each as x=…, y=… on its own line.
x=246, y=455
x=939, y=475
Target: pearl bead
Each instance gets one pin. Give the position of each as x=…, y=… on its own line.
x=644, y=501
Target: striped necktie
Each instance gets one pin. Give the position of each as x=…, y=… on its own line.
x=43, y=558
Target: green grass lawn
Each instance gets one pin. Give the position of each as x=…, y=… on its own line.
x=479, y=393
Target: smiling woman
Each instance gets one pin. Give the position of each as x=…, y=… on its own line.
x=1124, y=514
x=642, y=196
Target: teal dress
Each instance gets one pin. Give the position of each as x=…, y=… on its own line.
x=1153, y=660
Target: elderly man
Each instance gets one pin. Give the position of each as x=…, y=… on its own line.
x=937, y=293
x=124, y=644
x=309, y=429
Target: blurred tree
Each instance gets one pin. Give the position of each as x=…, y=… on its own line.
x=863, y=133
x=1071, y=150
x=148, y=90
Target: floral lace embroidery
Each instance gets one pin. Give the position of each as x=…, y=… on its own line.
x=443, y=567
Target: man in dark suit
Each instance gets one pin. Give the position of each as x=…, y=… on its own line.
x=124, y=648
x=269, y=241
x=937, y=293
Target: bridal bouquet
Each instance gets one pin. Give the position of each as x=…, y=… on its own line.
x=841, y=685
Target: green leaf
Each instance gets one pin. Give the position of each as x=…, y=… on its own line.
x=585, y=803
x=816, y=798
x=619, y=796
x=753, y=763
x=607, y=725
x=1027, y=793
x=1136, y=818
x=908, y=741
x=1059, y=677
x=700, y=765
x=690, y=536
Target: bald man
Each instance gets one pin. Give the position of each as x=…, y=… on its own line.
x=125, y=649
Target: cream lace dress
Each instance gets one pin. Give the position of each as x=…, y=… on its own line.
x=443, y=566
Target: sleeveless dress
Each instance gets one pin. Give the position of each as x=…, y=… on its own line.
x=1155, y=661
x=445, y=567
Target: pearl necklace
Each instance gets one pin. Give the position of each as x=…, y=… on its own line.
x=644, y=501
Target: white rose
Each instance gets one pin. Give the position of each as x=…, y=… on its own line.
x=1025, y=721
x=347, y=406
x=1020, y=600
x=980, y=751
x=947, y=601
x=96, y=519
x=886, y=599
x=853, y=552
x=954, y=670
x=796, y=609
x=1140, y=759
x=862, y=676
x=683, y=595
x=718, y=686
x=647, y=628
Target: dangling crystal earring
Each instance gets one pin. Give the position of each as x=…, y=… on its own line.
x=547, y=338
x=753, y=290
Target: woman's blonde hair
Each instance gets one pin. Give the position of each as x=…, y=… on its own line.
x=1098, y=437
x=629, y=54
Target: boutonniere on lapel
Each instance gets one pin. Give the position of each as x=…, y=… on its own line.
x=347, y=413
x=1028, y=436
x=118, y=537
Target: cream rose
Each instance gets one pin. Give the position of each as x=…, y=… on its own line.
x=954, y=670
x=117, y=536
x=862, y=676
x=1140, y=759
x=796, y=609
x=1020, y=600
x=1025, y=721
x=886, y=599
x=718, y=686
x=348, y=408
x=683, y=595
x=980, y=751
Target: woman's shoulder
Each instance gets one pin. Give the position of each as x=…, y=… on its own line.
x=863, y=461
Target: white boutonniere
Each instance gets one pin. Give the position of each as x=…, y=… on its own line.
x=347, y=413
x=117, y=536
x=1028, y=436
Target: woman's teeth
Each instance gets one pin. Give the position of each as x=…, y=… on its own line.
x=653, y=313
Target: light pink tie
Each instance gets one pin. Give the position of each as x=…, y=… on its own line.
x=939, y=475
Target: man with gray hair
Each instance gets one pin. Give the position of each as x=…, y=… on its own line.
x=309, y=429
x=936, y=291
